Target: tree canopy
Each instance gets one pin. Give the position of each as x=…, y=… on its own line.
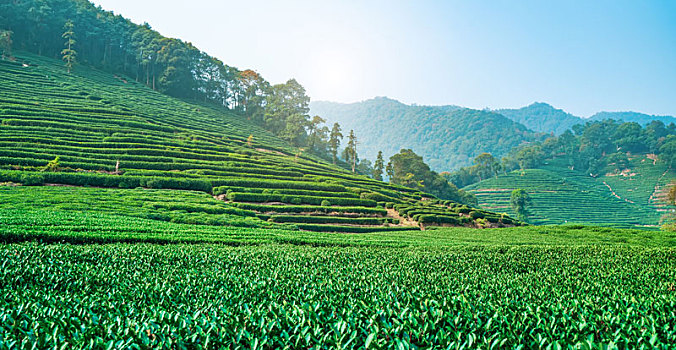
x=408, y=169
x=520, y=200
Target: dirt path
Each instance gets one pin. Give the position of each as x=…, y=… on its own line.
x=654, y=195
x=615, y=194
x=402, y=221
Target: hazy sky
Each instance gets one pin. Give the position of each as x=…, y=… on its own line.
x=582, y=56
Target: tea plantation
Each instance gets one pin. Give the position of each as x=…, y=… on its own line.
x=91, y=128
x=132, y=220
x=561, y=195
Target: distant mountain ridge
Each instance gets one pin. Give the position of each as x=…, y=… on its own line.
x=543, y=117
x=640, y=118
x=448, y=137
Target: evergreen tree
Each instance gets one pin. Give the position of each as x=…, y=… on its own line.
x=68, y=52
x=378, y=167
x=334, y=141
x=351, y=150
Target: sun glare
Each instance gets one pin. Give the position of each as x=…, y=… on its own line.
x=334, y=73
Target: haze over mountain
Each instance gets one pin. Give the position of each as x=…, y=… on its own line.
x=543, y=117
x=448, y=137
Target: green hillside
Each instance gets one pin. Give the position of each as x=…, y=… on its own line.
x=561, y=195
x=447, y=137
x=542, y=117
x=91, y=128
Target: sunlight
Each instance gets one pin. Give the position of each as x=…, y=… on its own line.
x=335, y=71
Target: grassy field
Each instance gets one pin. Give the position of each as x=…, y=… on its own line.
x=561, y=195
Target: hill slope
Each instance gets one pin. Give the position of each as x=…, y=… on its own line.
x=91, y=128
x=447, y=137
x=560, y=195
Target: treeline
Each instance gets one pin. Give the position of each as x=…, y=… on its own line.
x=115, y=44
x=595, y=147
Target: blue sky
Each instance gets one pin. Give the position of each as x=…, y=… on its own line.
x=582, y=56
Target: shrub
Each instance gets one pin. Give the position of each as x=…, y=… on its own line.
x=326, y=203
x=476, y=214
x=32, y=179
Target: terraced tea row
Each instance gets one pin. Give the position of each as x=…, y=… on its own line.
x=560, y=194
x=92, y=129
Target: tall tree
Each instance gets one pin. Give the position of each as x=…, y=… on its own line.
x=286, y=111
x=378, y=167
x=334, y=141
x=520, y=200
x=351, y=150
x=316, y=133
x=6, y=43
x=68, y=52
x=487, y=165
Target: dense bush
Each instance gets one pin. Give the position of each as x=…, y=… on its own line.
x=270, y=184
x=310, y=209
x=354, y=229
x=268, y=197
x=329, y=220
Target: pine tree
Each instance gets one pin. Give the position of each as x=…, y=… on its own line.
x=334, y=141
x=378, y=167
x=351, y=150
x=69, y=53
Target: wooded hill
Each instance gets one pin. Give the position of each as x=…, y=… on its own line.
x=447, y=137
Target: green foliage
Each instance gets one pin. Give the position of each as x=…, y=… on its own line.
x=408, y=169
x=53, y=165
x=162, y=205
x=69, y=54
x=520, y=201
x=447, y=137
x=350, y=153
x=378, y=167
x=6, y=43
x=120, y=295
x=564, y=195
x=32, y=179
x=334, y=141
x=542, y=117
x=110, y=132
x=597, y=147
